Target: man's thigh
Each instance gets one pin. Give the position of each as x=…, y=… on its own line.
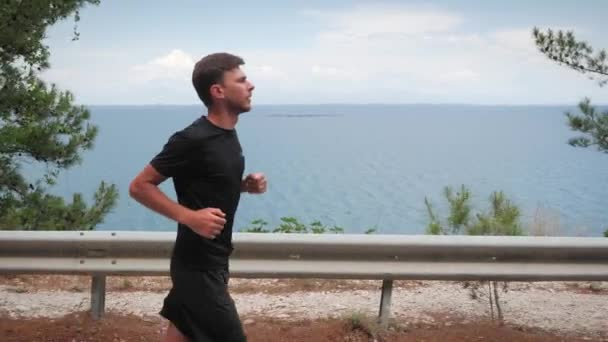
x=201, y=308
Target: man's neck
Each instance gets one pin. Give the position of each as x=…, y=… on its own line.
x=222, y=118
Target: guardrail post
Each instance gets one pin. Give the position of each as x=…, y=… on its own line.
x=385, y=301
x=98, y=295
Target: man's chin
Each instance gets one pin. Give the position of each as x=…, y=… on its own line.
x=245, y=109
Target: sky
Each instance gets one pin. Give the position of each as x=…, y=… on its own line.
x=327, y=52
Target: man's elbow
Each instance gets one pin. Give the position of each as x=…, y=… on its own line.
x=145, y=181
x=135, y=188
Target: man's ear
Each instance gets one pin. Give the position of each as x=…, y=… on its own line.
x=217, y=91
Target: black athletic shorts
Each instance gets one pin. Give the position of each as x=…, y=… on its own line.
x=200, y=306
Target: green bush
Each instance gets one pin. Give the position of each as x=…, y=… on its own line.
x=293, y=225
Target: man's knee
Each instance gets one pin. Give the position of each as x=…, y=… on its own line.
x=174, y=335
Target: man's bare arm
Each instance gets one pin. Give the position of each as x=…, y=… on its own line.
x=207, y=222
x=144, y=189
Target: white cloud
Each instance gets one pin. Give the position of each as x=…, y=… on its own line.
x=362, y=54
x=516, y=40
x=365, y=53
x=323, y=70
x=375, y=27
x=370, y=21
x=461, y=38
x=334, y=73
x=264, y=72
x=176, y=65
x=464, y=75
x=384, y=42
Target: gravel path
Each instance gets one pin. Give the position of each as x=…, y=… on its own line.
x=549, y=307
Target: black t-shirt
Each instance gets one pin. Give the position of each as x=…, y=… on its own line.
x=206, y=163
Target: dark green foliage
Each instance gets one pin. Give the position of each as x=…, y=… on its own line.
x=565, y=49
x=40, y=126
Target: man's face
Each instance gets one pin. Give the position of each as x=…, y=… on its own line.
x=237, y=90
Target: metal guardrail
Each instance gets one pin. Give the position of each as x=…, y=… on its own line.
x=385, y=257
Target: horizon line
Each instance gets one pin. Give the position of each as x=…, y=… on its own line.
x=350, y=104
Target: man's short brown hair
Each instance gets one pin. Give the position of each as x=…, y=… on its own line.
x=210, y=70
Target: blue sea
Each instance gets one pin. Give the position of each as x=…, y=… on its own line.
x=367, y=166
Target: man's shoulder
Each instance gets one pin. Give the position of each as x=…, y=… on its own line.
x=196, y=132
